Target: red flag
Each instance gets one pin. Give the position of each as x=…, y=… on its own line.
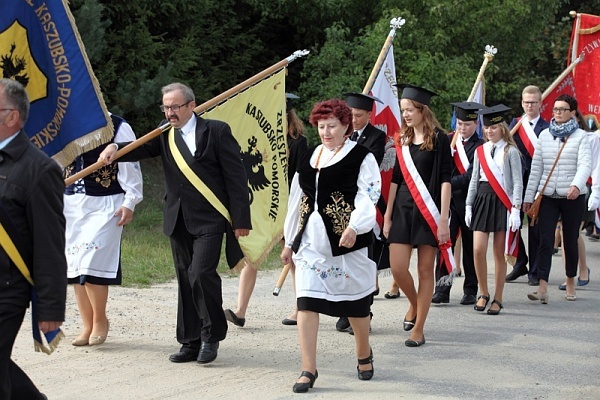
x=386, y=117
x=586, y=38
x=567, y=86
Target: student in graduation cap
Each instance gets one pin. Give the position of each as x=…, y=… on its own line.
x=494, y=203
x=462, y=153
x=418, y=205
x=373, y=139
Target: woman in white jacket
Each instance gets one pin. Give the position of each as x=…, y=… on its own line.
x=565, y=193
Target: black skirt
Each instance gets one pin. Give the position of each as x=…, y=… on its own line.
x=408, y=224
x=489, y=214
x=94, y=280
x=355, y=308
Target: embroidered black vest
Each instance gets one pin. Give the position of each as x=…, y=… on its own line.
x=335, y=201
x=102, y=182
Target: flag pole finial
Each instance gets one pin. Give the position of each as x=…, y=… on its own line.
x=396, y=23
x=297, y=54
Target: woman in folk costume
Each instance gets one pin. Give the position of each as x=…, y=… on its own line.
x=96, y=209
x=494, y=203
x=331, y=212
x=418, y=207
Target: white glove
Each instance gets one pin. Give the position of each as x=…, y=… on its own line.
x=468, y=215
x=514, y=221
x=593, y=201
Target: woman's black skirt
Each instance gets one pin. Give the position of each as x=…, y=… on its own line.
x=356, y=308
x=489, y=214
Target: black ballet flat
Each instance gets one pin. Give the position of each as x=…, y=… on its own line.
x=414, y=343
x=304, y=386
x=495, y=312
x=409, y=324
x=486, y=298
x=365, y=375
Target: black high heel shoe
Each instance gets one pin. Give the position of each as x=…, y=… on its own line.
x=486, y=298
x=304, y=386
x=495, y=312
x=365, y=375
x=407, y=325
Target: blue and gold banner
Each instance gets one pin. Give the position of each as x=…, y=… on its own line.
x=41, y=48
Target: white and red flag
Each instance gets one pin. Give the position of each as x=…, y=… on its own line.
x=386, y=117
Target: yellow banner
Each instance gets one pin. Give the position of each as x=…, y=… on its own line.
x=257, y=120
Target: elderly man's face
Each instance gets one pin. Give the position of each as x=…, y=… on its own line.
x=177, y=109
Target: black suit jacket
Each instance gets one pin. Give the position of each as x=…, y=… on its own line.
x=460, y=182
x=217, y=161
x=537, y=129
x=31, y=193
x=374, y=140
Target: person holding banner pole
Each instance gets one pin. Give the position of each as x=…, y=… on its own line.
x=525, y=138
x=418, y=208
x=207, y=197
x=494, y=204
x=463, y=153
x=331, y=213
x=33, y=266
x=564, y=196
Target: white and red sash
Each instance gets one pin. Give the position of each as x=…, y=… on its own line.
x=527, y=135
x=424, y=202
x=495, y=178
x=460, y=156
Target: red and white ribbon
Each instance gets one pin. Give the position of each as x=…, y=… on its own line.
x=528, y=137
x=495, y=178
x=424, y=202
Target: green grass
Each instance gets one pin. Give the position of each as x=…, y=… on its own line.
x=146, y=253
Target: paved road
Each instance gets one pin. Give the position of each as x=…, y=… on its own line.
x=529, y=351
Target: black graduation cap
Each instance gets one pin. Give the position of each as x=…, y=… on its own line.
x=467, y=110
x=494, y=115
x=289, y=98
x=416, y=93
x=361, y=101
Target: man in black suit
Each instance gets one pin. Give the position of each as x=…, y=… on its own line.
x=31, y=213
x=373, y=139
x=532, y=126
x=193, y=150
x=463, y=153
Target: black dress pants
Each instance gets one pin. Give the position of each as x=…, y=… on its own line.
x=200, y=316
x=14, y=383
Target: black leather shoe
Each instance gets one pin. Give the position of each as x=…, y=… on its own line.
x=304, y=386
x=342, y=324
x=365, y=375
x=439, y=297
x=183, y=356
x=234, y=319
x=468, y=300
x=208, y=352
x=288, y=321
x=414, y=343
x=533, y=282
x=516, y=273
x=407, y=325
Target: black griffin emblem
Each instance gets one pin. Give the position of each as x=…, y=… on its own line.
x=252, y=160
x=14, y=67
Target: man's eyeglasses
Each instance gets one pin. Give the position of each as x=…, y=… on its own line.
x=174, y=107
x=560, y=110
x=530, y=103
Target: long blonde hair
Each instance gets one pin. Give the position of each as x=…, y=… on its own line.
x=430, y=125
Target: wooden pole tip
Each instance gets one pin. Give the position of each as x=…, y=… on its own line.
x=573, y=13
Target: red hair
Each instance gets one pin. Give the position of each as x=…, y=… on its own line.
x=332, y=108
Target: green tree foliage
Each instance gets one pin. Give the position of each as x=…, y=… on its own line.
x=140, y=45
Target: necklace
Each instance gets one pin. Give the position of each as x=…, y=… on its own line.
x=321, y=152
